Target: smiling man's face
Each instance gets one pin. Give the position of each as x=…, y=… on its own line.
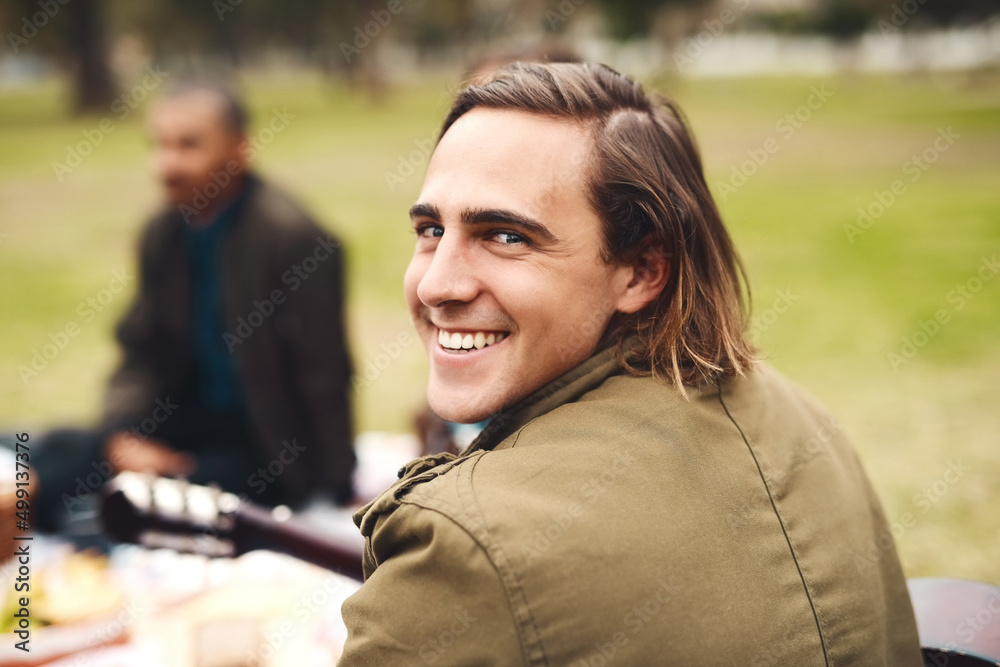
x=507, y=286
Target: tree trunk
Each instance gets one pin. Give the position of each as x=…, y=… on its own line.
x=93, y=82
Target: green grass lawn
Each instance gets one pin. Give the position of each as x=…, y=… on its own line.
x=848, y=300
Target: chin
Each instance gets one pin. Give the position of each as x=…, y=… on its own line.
x=458, y=411
x=176, y=198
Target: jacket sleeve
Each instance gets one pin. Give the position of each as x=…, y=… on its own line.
x=435, y=598
x=318, y=355
x=133, y=386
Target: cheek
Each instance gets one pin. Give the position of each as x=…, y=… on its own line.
x=190, y=165
x=578, y=311
x=201, y=163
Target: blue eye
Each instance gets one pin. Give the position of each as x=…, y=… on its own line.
x=510, y=238
x=430, y=231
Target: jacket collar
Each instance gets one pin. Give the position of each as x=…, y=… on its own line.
x=565, y=389
x=175, y=215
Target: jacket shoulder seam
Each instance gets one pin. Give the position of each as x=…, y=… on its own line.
x=529, y=636
x=531, y=647
x=806, y=584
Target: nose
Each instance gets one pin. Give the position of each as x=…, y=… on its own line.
x=451, y=276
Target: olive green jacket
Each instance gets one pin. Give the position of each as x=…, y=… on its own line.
x=607, y=520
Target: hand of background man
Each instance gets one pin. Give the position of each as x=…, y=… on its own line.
x=126, y=451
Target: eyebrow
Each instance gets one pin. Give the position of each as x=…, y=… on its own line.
x=486, y=216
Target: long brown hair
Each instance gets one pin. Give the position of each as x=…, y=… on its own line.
x=647, y=185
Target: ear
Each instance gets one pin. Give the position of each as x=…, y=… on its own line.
x=650, y=271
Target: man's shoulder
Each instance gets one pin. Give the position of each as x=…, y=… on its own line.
x=625, y=413
x=463, y=490
x=619, y=424
x=269, y=205
x=630, y=433
x=160, y=228
x=650, y=490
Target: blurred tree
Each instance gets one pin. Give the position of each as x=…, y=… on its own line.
x=94, y=86
x=959, y=11
x=845, y=19
x=71, y=34
x=239, y=32
x=628, y=19
x=440, y=24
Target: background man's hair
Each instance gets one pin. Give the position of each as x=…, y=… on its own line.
x=647, y=185
x=233, y=108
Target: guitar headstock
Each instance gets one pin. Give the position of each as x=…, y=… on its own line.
x=159, y=512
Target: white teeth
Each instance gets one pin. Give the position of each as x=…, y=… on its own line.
x=468, y=341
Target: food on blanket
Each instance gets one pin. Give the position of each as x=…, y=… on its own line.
x=70, y=590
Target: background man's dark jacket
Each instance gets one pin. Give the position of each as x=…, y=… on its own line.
x=283, y=300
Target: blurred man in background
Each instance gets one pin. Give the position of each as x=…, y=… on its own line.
x=235, y=367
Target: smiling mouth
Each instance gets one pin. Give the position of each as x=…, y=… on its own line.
x=466, y=341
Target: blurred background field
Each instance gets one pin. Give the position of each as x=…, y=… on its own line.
x=834, y=300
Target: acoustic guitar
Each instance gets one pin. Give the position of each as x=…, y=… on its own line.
x=159, y=512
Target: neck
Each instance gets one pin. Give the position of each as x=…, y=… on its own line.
x=205, y=214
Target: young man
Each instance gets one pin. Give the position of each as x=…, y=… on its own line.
x=645, y=492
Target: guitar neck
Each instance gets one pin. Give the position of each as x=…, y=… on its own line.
x=256, y=528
